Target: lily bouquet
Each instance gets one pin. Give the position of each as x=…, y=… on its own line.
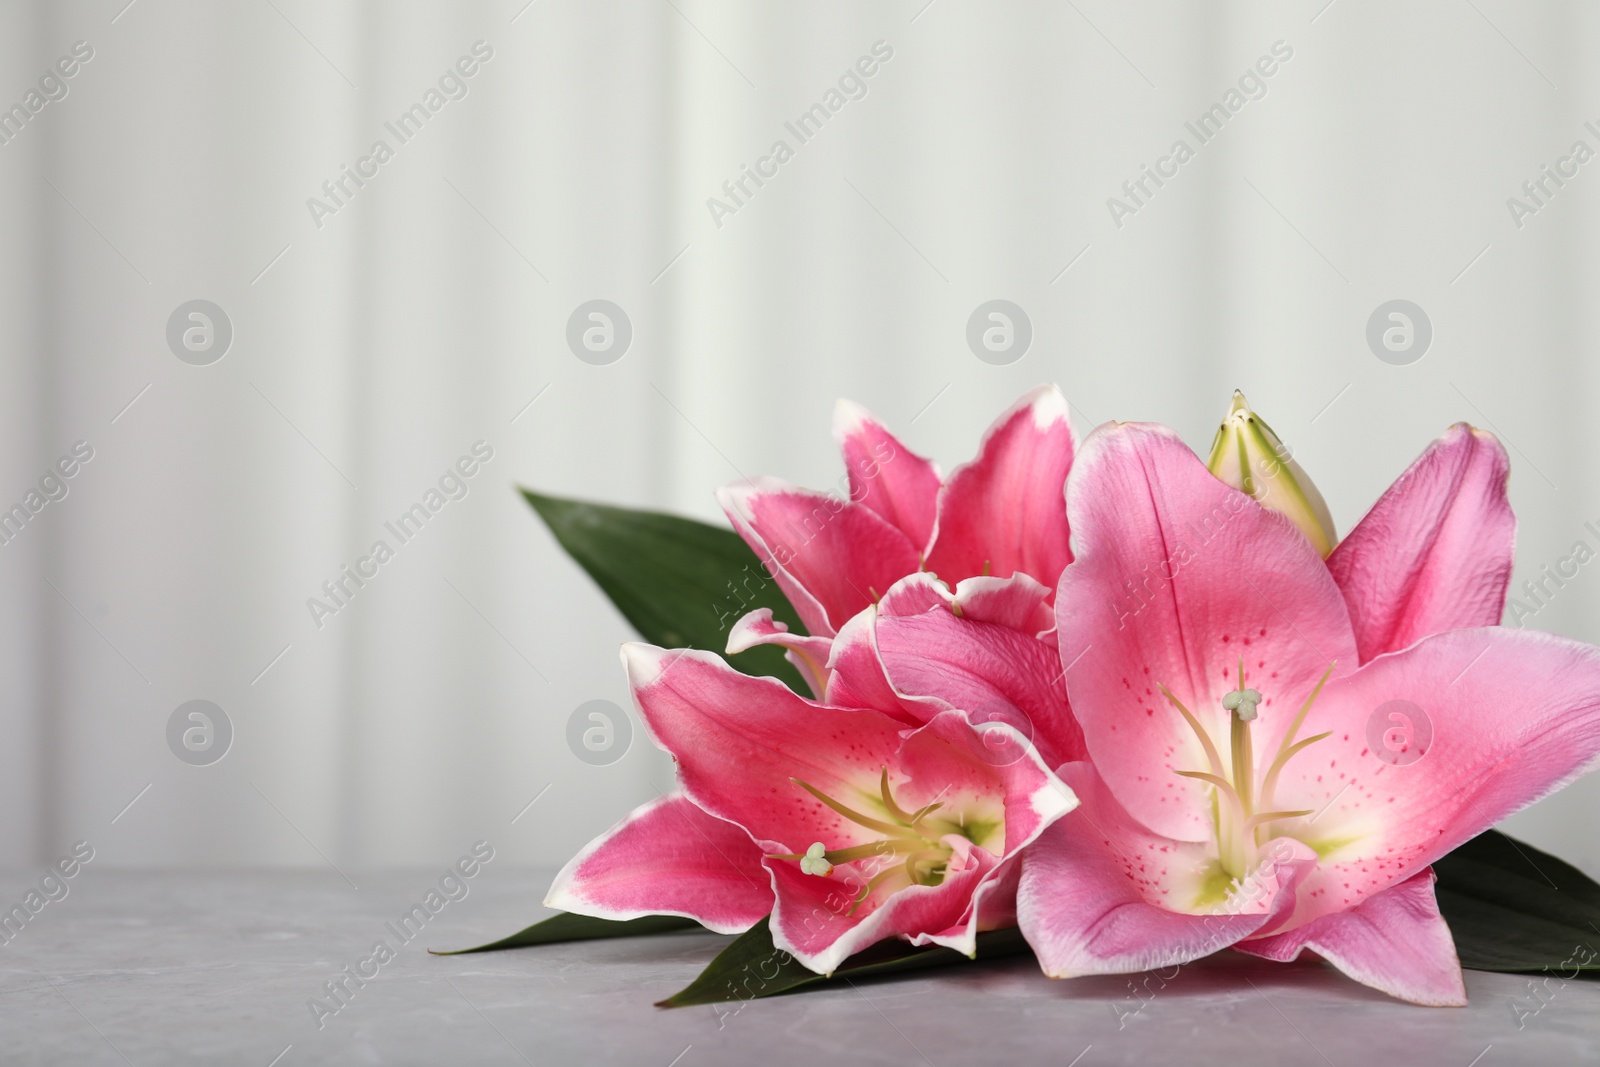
x=1106, y=701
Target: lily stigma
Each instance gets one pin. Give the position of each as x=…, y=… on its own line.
x=1242, y=808
x=915, y=846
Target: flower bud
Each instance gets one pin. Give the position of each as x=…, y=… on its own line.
x=1248, y=455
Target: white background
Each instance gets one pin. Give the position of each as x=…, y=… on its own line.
x=372, y=351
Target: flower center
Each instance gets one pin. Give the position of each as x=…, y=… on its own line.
x=1243, y=807
x=911, y=847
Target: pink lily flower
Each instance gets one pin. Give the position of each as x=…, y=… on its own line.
x=1279, y=747
x=848, y=825
x=1001, y=514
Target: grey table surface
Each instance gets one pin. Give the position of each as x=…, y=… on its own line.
x=151, y=968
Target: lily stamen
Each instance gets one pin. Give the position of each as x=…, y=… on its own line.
x=855, y=816
x=1245, y=812
x=915, y=844
x=815, y=862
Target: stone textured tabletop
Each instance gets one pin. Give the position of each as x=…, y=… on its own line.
x=219, y=968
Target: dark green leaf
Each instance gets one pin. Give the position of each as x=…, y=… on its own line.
x=753, y=967
x=681, y=583
x=570, y=927
x=1513, y=908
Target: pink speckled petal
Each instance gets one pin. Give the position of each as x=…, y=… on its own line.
x=740, y=740
x=1177, y=578
x=1513, y=715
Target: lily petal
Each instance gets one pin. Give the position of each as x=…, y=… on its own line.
x=948, y=654
x=993, y=907
x=990, y=672
x=945, y=759
x=740, y=740
x=668, y=857
x=885, y=475
x=831, y=557
x=1396, y=942
x=1435, y=551
x=812, y=921
x=1098, y=892
x=1019, y=602
x=1177, y=577
x=856, y=677
x=1004, y=512
x=1513, y=715
x=808, y=654
x=914, y=594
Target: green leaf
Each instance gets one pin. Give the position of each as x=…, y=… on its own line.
x=681, y=583
x=1513, y=908
x=570, y=927
x=753, y=967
